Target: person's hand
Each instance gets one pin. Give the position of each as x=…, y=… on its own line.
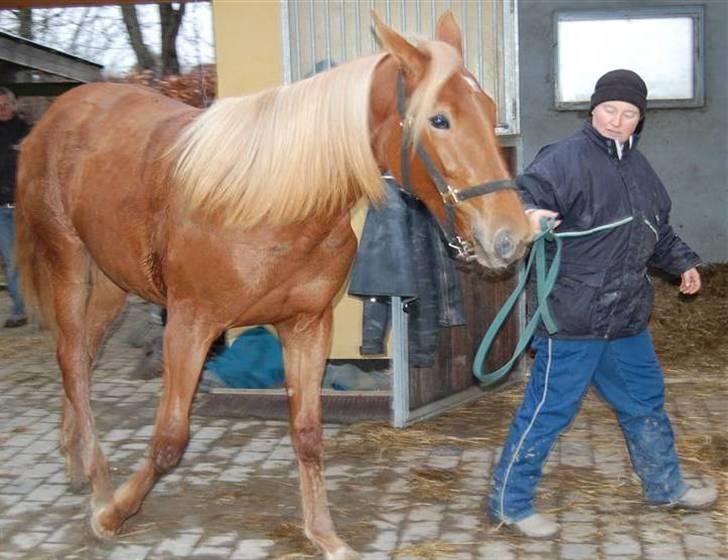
x=690, y=281
x=534, y=218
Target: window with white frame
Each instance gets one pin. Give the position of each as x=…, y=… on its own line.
x=663, y=45
x=320, y=32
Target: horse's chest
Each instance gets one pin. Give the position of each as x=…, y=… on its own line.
x=295, y=265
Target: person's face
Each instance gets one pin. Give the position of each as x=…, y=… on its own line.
x=7, y=109
x=616, y=119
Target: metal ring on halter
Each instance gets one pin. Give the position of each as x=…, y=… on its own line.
x=462, y=248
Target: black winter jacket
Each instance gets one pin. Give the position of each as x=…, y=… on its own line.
x=401, y=253
x=11, y=133
x=603, y=289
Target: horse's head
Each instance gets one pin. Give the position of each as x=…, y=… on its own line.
x=434, y=128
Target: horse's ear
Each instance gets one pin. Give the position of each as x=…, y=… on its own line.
x=409, y=57
x=448, y=31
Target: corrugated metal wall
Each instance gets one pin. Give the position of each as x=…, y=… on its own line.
x=320, y=32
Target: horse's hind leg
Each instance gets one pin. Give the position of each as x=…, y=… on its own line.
x=86, y=302
x=70, y=444
x=306, y=343
x=187, y=338
x=103, y=301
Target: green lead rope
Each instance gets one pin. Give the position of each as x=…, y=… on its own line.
x=545, y=280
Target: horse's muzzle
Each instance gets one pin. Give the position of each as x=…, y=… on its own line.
x=504, y=244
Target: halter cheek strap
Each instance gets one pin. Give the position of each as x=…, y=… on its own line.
x=451, y=196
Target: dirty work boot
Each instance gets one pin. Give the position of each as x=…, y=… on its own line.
x=536, y=526
x=698, y=498
x=15, y=321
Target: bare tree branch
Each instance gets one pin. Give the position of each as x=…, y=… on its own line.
x=136, y=38
x=25, y=23
x=73, y=44
x=170, y=20
x=145, y=59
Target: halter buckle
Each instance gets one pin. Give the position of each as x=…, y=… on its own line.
x=450, y=197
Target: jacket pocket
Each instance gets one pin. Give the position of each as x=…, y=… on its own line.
x=574, y=299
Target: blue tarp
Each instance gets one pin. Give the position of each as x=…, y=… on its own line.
x=253, y=361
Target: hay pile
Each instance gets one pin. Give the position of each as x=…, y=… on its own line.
x=691, y=332
x=24, y=342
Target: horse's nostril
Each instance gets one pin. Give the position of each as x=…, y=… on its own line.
x=504, y=244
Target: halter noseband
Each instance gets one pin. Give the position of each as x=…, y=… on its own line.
x=451, y=197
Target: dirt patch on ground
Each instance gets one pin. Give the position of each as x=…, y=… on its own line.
x=24, y=341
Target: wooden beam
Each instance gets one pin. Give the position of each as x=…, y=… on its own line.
x=34, y=56
x=337, y=407
x=39, y=89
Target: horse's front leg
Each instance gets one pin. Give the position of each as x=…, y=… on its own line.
x=306, y=343
x=187, y=338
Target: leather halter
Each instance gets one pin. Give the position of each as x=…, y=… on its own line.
x=451, y=197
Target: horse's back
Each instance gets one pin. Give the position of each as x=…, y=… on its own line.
x=95, y=168
x=97, y=121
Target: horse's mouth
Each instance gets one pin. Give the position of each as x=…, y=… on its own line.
x=490, y=262
x=499, y=254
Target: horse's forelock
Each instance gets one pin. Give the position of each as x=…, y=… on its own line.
x=444, y=61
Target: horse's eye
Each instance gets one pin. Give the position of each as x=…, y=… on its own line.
x=440, y=121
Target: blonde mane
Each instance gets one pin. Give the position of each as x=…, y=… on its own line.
x=288, y=153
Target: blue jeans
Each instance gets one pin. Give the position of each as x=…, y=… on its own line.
x=7, y=254
x=626, y=374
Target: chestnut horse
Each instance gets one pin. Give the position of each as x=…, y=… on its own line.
x=239, y=215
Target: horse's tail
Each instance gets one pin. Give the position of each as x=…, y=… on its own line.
x=30, y=255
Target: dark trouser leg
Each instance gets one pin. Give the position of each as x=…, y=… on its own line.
x=630, y=379
x=561, y=374
x=7, y=255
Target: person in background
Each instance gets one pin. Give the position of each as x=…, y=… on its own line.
x=601, y=302
x=12, y=131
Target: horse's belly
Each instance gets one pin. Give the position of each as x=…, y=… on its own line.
x=119, y=246
x=263, y=276
x=130, y=272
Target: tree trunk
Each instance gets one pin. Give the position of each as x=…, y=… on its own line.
x=25, y=23
x=145, y=59
x=73, y=43
x=170, y=20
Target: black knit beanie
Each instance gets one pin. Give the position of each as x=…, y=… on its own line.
x=620, y=85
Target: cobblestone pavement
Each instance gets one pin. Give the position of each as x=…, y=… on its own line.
x=411, y=494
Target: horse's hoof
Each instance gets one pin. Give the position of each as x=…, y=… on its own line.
x=78, y=485
x=77, y=479
x=343, y=553
x=105, y=522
